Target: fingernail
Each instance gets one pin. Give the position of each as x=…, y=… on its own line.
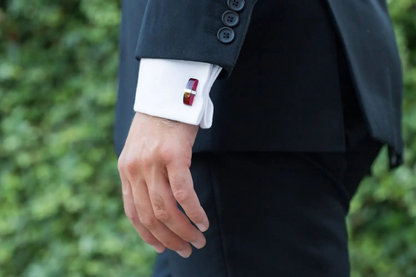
x=184, y=253
x=159, y=249
x=198, y=244
x=201, y=227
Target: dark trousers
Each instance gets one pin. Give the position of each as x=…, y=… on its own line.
x=275, y=213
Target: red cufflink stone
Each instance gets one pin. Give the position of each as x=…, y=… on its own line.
x=190, y=92
x=188, y=98
x=192, y=84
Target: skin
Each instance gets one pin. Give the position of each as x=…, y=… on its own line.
x=155, y=176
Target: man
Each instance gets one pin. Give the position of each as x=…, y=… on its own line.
x=305, y=95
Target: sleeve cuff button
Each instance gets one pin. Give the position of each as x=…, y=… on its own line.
x=236, y=5
x=225, y=35
x=230, y=18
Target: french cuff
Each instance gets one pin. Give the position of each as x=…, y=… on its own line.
x=161, y=86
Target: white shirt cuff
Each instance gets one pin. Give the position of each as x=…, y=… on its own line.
x=161, y=85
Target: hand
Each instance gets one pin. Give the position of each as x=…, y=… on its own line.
x=154, y=171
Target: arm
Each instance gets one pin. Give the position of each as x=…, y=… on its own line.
x=154, y=164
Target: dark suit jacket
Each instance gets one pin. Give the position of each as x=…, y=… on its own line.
x=279, y=89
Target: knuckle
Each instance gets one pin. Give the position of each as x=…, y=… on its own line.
x=181, y=195
x=122, y=163
x=166, y=156
x=148, y=222
x=194, y=215
x=184, y=161
x=172, y=244
x=162, y=215
x=130, y=165
x=145, y=161
x=178, y=181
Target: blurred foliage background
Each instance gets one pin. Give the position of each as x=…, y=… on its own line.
x=60, y=205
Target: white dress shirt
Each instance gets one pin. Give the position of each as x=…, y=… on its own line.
x=161, y=85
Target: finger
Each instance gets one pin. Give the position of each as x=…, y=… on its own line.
x=166, y=210
x=182, y=187
x=130, y=210
x=158, y=229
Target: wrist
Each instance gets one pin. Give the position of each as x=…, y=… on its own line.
x=165, y=123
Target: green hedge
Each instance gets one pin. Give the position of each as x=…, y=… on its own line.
x=60, y=205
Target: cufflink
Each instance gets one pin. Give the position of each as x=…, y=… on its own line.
x=190, y=92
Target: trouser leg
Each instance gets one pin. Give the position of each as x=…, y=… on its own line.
x=274, y=213
x=161, y=267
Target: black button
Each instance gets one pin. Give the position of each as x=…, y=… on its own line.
x=236, y=5
x=225, y=35
x=230, y=18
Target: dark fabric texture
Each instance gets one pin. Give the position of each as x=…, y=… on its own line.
x=279, y=90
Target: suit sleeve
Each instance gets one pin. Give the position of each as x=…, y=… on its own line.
x=208, y=31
